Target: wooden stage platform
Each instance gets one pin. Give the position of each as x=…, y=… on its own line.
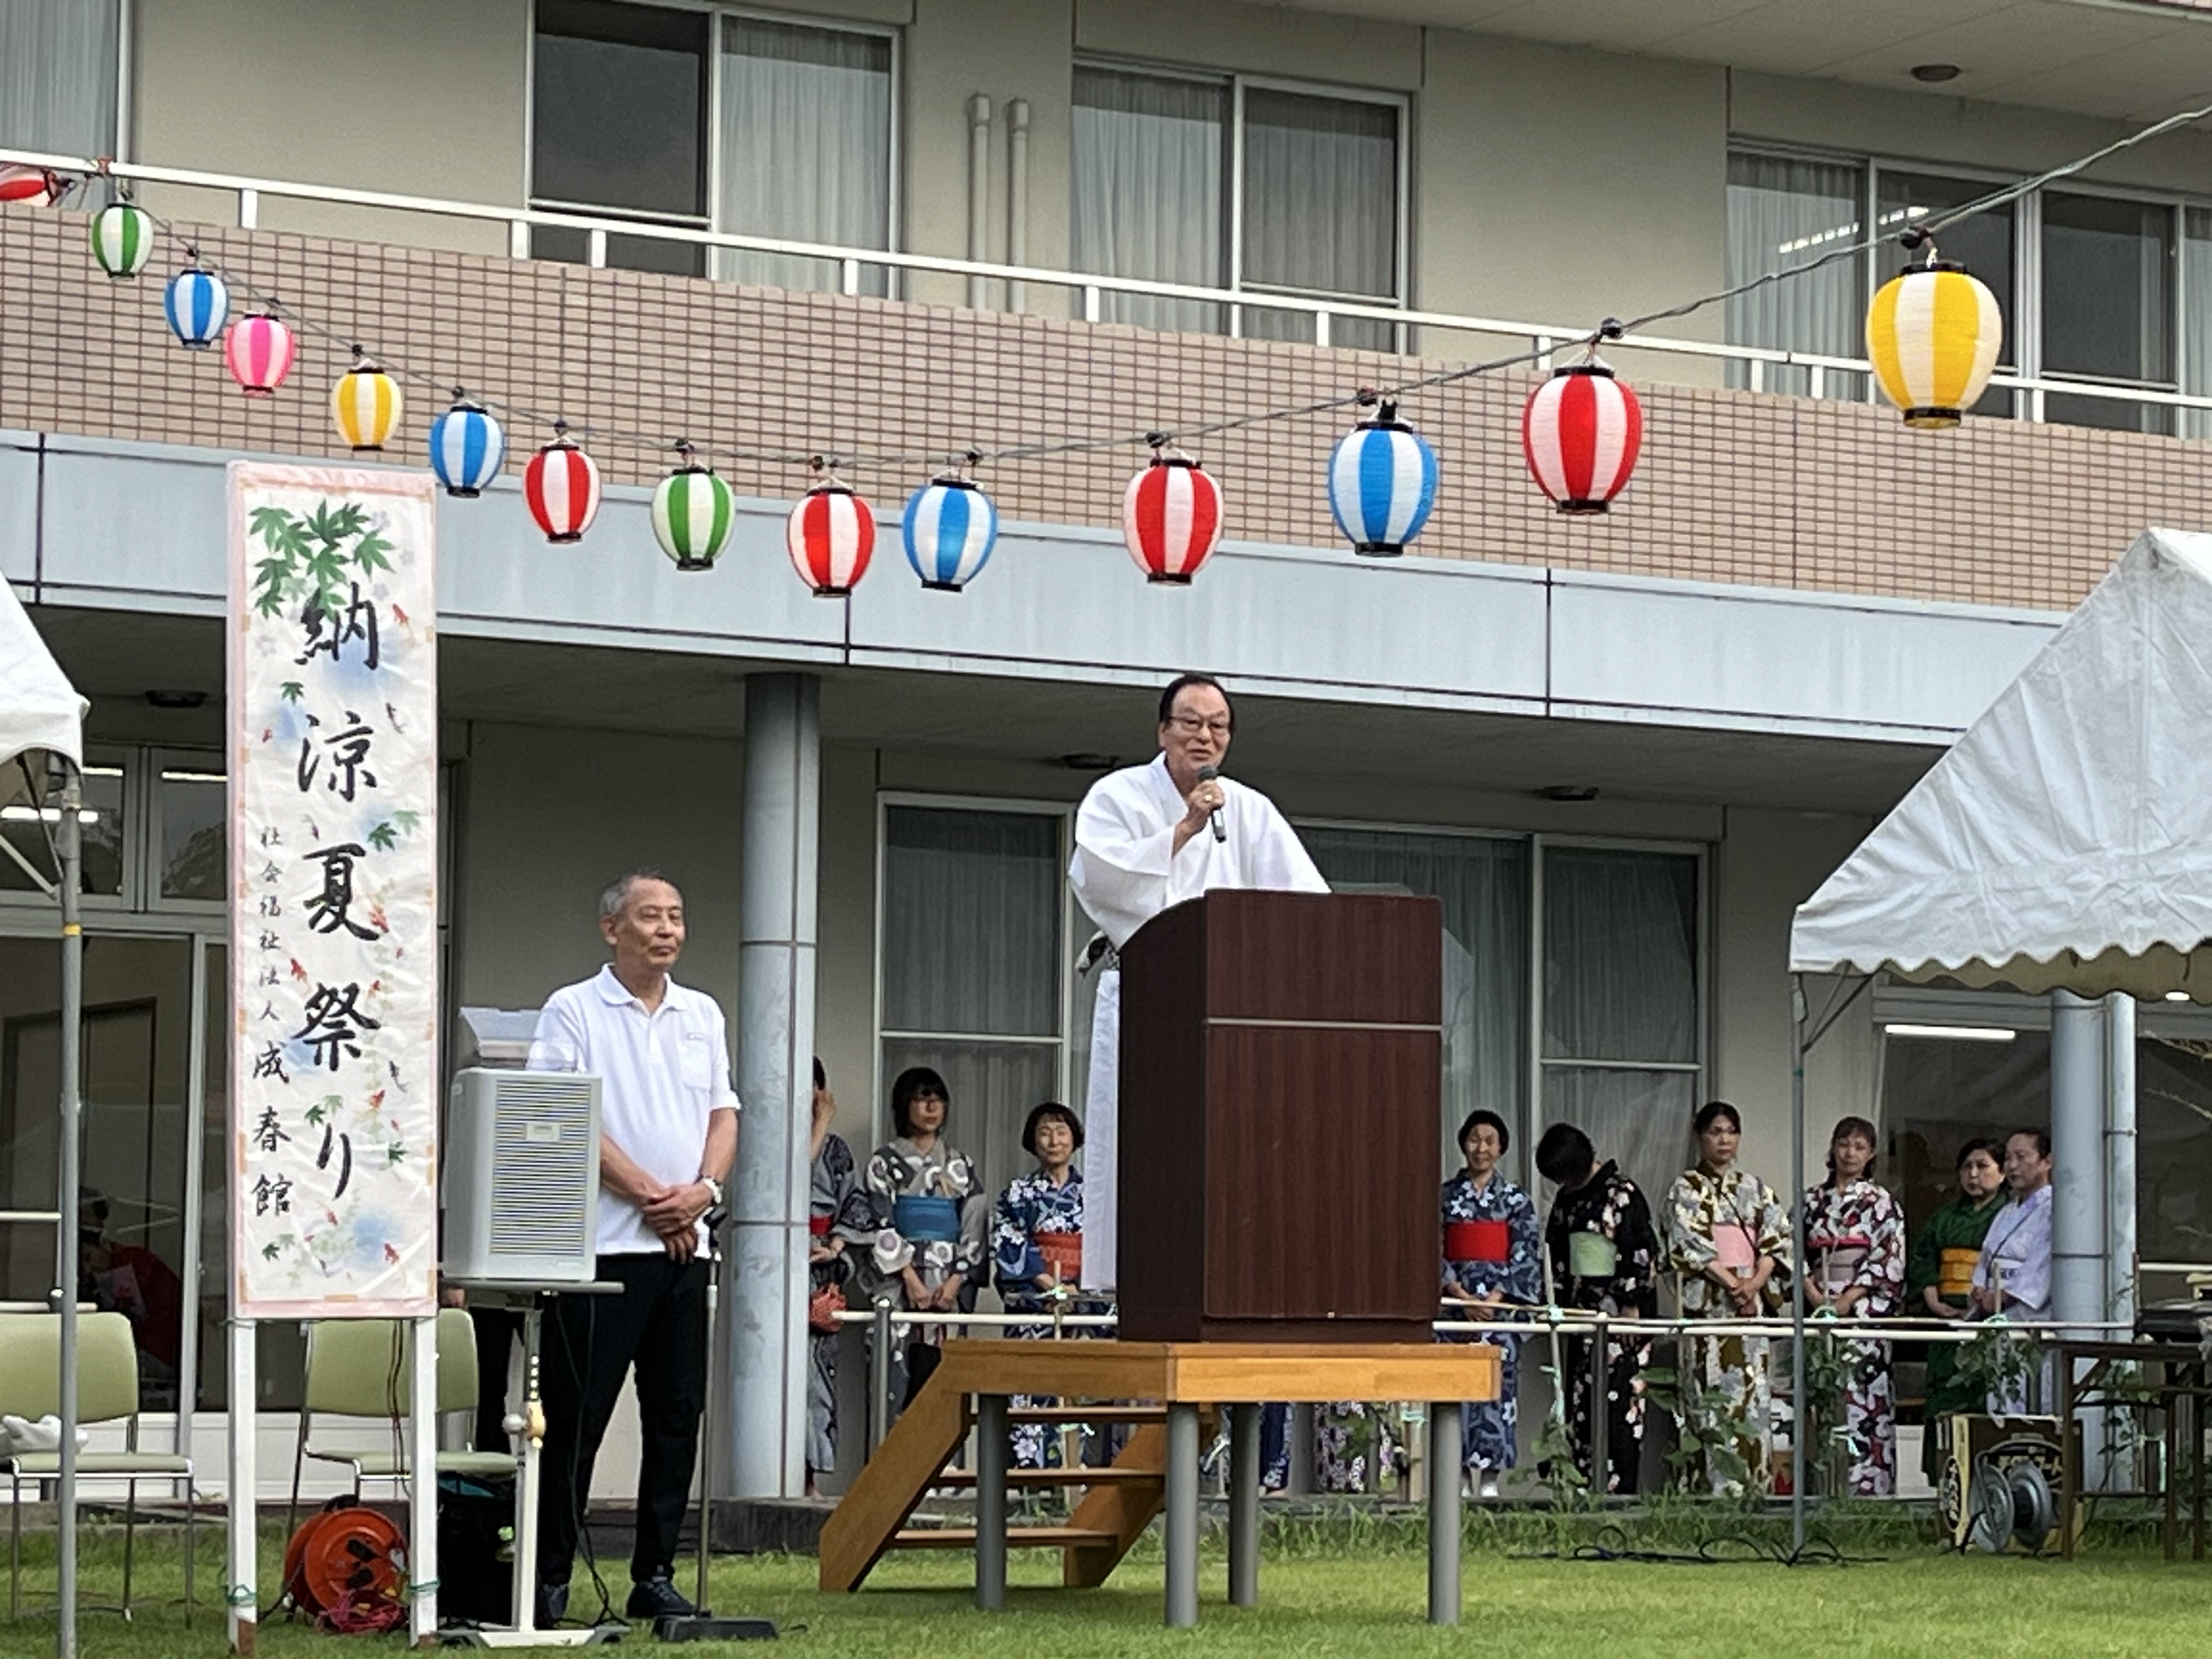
x=1163, y=1389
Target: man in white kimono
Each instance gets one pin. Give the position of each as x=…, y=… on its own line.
x=1147, y=837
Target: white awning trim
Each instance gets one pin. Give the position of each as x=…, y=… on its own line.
x=39, y=708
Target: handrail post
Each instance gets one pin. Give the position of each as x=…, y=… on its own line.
x=879, y=1376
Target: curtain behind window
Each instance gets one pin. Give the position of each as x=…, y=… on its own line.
x=1483, y=885
x=1149, y=164
x=1320, y=208
x=2196, y=326
x=2107, y=304
x=58, y=73
x=971, y=965
x=1620, y=986
x=1783, y=213
x=806, y=148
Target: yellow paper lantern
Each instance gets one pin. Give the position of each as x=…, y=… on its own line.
x=1933, y=334
x=366, y=405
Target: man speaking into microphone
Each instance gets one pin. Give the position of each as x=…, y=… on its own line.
x=1147, y=837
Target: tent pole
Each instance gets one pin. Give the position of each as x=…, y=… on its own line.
x=69, y=846
x=1799, y=1416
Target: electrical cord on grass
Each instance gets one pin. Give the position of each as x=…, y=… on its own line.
x=1727, y=1549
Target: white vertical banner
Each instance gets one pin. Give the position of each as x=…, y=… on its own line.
x=333, y=718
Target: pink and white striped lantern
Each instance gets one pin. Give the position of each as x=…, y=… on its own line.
x=259, y=350
x=561, y=487
x=831, y=535
x=1171, y=517
x=1580, y=433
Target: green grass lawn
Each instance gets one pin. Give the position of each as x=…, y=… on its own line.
x=1363, y=1591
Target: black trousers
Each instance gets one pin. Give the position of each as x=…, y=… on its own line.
x=498, y=1329
x=658, y=1325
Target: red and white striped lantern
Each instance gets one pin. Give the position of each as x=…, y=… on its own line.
x=22, y=183
x=562, y=485
x=1171, y=518
x=1580, y=433
x=259, y=350
x=831, y=535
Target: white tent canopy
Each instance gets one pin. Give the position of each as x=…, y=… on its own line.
x=2066, y=840
x=38, y=709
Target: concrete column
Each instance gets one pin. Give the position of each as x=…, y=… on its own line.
x=2120, y=1158
x=765, y=1285
x=2077, y=1152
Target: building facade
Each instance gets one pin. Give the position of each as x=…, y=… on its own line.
x=1619, y=749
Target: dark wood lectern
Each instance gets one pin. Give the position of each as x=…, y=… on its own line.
x=1281, y=1070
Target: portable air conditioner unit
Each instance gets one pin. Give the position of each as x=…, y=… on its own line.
x=522, y=1177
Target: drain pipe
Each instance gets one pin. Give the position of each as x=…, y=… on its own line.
x=979, y=196
x=1018, y=194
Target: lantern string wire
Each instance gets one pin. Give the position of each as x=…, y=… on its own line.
x=817, y=457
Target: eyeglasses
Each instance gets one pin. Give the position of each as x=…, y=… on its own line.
x=1191, y=726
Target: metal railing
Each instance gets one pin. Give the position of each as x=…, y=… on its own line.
x=1760, y=366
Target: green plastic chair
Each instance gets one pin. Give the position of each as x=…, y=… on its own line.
x=106, y=1392
x=363, y=1368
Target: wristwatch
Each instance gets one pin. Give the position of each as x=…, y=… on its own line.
x=713, y=1191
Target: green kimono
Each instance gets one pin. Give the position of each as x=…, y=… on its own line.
x=1959, y=1226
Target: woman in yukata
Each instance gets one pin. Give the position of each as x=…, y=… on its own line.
x=1939, y=1282
x=1036, y=1254
x=1492, y=1244
x=838, y=1218
x=1728, y=1241
x=1855, y=1258
x=929, y=1250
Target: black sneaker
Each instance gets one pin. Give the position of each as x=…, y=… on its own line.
x=552, y=1603
x=657, y=1598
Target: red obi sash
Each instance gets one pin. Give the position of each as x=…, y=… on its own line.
x=819, y=1226
x=1063, y=1255
x=1477, y=1241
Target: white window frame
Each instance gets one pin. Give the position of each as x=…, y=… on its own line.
x=1238, y=84
x=894, y=232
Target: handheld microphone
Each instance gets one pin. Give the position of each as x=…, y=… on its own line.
x=1207, y=774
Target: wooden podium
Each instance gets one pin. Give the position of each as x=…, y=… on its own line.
x=1280, y=1083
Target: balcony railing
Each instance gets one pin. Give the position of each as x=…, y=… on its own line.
x=1758, y=369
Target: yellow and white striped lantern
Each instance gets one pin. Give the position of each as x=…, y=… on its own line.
x=366, y=405
x=1933, y=333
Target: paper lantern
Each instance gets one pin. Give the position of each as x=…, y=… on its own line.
x=1171, y=518
x=122, y=238
x=830, y=535
x=562, y=485
x=23, y=184
x=259, y=350
x=1381, y=485
x=1933, y=333
x=366, y=405
x=196, y=303
x=467, y=449
x=693, y=512
x=1580, y=433
x=948, y=527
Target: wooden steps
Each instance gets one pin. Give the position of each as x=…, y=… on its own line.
x=1018, y=1538
x=1093, y=1414
x=1086, y=1475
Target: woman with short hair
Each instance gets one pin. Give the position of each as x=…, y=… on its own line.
x=1854, y=1262
x=1036, y=1254
x=1728, y=1239
x=1491, y=1265
x=1605, y=1259
x=930, y=1218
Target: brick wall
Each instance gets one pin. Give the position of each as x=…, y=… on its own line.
x=1734, y=487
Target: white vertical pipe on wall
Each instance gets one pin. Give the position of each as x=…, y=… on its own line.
x=2120, y=1160
x=979, y=196
x=1018, y=194
x=765, y=1285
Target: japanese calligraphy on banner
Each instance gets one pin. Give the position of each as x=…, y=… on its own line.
x=333, y=844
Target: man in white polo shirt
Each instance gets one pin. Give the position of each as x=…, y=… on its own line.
x=668, y=1135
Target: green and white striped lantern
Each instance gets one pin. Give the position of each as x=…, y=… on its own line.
x=122, y=238
x=693, y=512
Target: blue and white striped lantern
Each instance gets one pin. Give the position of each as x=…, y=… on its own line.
x=1381, y=485
x=949, y=527
x=467, y=448
x=197, y=305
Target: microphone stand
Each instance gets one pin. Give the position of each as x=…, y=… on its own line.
x=702, y=1626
